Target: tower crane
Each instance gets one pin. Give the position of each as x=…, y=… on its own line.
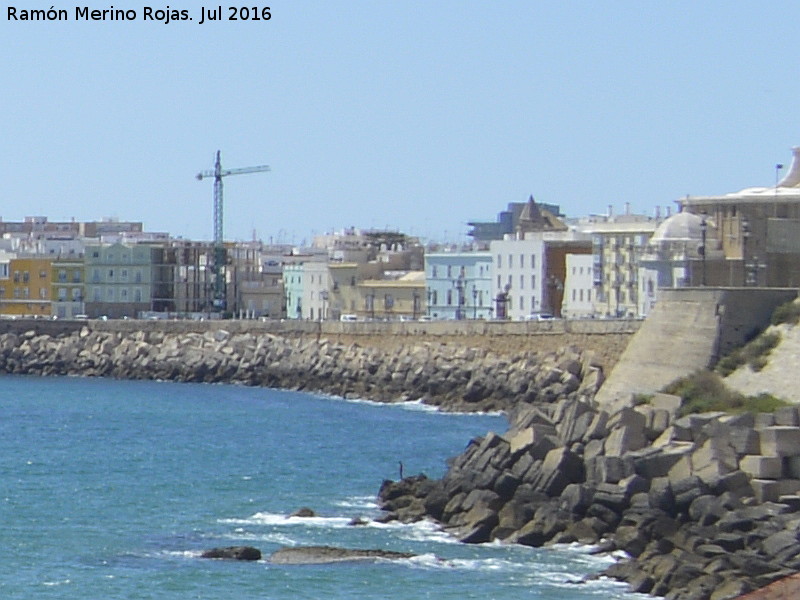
x=219, y=245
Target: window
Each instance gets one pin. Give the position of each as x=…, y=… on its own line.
x=95, y=275
x=137, y=295
x=26, y=277
x=434, y=271
x=16, y=276
x=42, y=274
x=43, y=293
x=96, y=294
x=533, y=261
x=137, y=276
x=124, y=275
x=62, y=275
x=449, y=297
x=76, y=276
x=522, y=282
x=123, y=294
x=522, y=302
x=498, y=282
x=449, y=271
x=62, y=294
x=434, y=298
x=533, y=282
x=510, y=261
x=76, y=294
x=499, y=261
x=521, y=261
x=573, y=295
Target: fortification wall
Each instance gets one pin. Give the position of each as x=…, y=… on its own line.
x=689, y=329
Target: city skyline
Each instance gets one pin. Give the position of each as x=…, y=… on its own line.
x=416, y=117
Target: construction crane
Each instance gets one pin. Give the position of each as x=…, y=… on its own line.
x=219, y=244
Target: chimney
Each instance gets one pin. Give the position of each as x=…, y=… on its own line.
x=627, y=208
x=658, y=212
x=610, y=211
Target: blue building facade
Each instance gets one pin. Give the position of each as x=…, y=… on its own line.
x=458, y=285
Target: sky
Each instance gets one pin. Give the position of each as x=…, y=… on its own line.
x=417, y=116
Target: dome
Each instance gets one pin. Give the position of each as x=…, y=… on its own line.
x=680, y=227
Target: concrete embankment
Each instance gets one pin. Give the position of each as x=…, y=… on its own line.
x=453, y=376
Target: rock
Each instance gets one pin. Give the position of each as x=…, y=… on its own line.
x=304, y=513
x=233, y=553
x=317, y=555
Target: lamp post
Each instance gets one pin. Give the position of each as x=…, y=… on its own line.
x=702, y=249
x=459, y=285
x=745, y=237
x=324, y=295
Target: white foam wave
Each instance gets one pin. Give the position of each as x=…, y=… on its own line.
x=280, y=520
x=57, y=583
x=361, y=502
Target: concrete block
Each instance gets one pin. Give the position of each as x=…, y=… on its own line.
x=744, y=440
x=668, y=402
x=625, y=439
x=765, y=490
x=788, y=487
x=780, y=441
x=762, y=467
x=627, y=417
x=764, y=420
x=791, y=467
x=787, y=415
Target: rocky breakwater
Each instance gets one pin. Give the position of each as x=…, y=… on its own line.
x=705, y=506
x=447, y=375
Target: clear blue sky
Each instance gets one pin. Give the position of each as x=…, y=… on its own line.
x=417, y=115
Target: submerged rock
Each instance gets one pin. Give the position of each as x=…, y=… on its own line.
x=316, y=555
x=233, y=553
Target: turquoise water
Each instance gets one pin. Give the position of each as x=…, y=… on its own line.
x=111, y=489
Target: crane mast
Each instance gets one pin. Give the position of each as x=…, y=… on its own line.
x=220, y=258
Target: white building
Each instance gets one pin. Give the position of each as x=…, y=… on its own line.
x=578, y=287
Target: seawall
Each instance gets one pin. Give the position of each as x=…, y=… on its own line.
x=689, y=329
x=456, y=369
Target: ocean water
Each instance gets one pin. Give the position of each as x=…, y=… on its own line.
x=112, y=489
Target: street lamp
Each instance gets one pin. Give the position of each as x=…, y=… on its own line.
x=324, y=295
x=702, y=249
x=474, y=302
x=745, y=237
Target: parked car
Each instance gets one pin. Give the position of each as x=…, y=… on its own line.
x=348, y=318
x=540, y=317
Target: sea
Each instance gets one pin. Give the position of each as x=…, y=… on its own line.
x=112, y=489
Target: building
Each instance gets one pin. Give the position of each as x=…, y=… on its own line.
x=755, y=231
x=578, y=287
x=392, y=299
x=617, y=245
x=26, y=287
x=458, y=285
x=121, y=280
x=529, y=267
x=507, y=221
x=673, y=258
x=67, y=288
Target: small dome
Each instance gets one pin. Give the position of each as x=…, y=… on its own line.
x=680, y=227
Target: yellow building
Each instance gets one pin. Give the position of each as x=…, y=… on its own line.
x=26, y=290
x=392, y=299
